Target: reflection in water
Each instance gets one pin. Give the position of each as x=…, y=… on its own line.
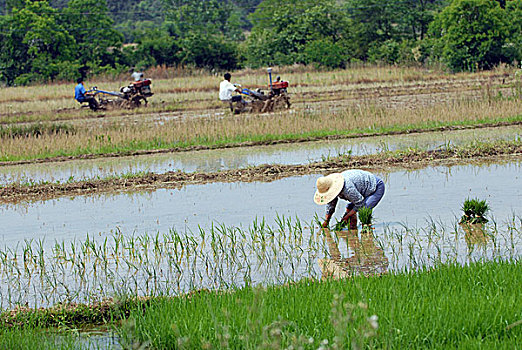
x=233, y=158
x=475, y=236
x=194, y=206
x=365, y=256
x=225, y=257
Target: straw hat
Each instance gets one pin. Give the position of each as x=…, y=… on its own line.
x=328, y=187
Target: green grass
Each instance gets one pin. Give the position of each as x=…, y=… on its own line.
x=37, y=339
x=448, y=307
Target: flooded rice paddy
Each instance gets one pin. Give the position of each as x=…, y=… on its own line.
x=225, y=159
x=218, y=235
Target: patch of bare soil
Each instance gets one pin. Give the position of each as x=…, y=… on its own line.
x=349, y=91
x=410, y=159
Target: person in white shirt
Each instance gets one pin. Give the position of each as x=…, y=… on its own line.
x=137, y=76
x=226, y=88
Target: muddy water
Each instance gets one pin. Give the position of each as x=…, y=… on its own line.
x=214, y=160
x=415, y=226
x=411, y=197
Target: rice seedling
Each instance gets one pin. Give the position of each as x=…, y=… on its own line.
x=340, y=225
x=474, y=211
x=474, y=306
x=365, y=217
x=39, y=338
x=222, y=258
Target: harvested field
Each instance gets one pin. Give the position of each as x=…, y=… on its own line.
x=326, y=104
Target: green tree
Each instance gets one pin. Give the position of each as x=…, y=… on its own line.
x=34, y=45
x=89, y=23
x=470, y=34
x=208, y=17
x=324, y=53
x=513, y=46
x=10, y=4
x=376, y=23
x=286, y=31
x=208, y=51
x=415, y=16
x=206, y=31
x=157, y=48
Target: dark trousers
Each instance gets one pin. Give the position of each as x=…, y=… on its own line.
x=372, y=200
x=93, y=104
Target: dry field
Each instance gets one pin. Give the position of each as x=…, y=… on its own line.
x=185, y=111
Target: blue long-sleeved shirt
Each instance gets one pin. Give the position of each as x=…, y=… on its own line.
x=358, y=184
x=79, y=92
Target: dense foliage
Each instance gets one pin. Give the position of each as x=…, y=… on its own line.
x=61, y=39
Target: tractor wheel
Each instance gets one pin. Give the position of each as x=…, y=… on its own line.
x=281, y=101
x=257, y=106
x=238, y=107
x=136, y=102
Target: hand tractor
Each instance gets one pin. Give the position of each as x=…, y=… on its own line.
x=257, y=102
x=130, y=96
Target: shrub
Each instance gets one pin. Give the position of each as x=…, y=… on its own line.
x=324, y=53
x=386, y=52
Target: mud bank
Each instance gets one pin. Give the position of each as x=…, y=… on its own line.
x=264, y=173
x=237, y=158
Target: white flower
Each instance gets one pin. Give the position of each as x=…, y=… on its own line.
x=373, y=321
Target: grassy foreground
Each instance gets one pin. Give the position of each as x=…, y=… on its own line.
x=475, y=306
x=471, y=307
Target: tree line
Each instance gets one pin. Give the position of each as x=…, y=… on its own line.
x=59, y=40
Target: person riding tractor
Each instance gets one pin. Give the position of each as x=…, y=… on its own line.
x=81, y=95
x=226, y=88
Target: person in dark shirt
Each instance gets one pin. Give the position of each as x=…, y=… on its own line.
x=80, y=94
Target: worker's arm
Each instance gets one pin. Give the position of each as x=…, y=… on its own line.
x=330, y=209
x=326, y=221
x=349, y=213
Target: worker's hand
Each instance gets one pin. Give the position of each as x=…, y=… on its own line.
x=326, y=221
x=348, y=215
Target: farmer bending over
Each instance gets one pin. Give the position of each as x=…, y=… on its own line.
x=80, y=94
x=360, y=188
x=226, y=88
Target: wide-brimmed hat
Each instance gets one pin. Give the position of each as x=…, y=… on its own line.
x=328, y=187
